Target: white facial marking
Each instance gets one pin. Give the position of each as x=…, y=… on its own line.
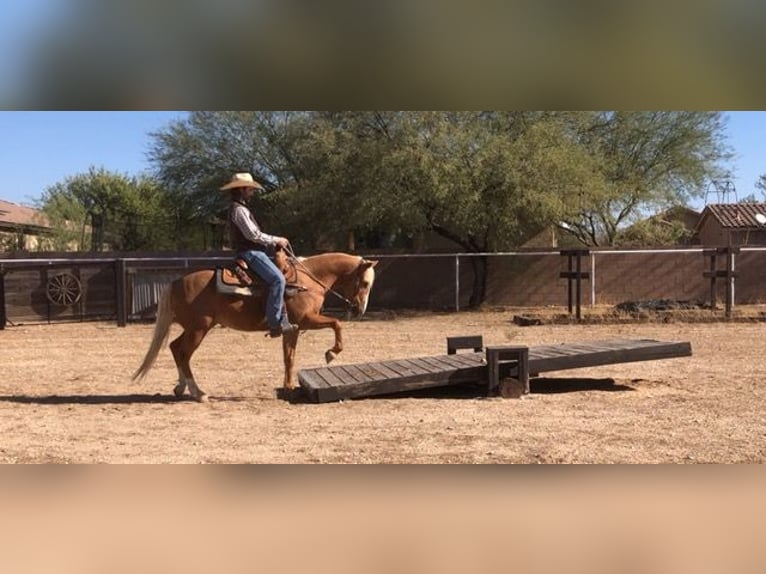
x=369, y=278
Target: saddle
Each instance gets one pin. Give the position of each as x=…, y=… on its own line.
x=236, y=278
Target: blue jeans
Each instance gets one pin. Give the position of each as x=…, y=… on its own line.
x=264, y=267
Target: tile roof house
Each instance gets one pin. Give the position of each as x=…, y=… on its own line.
x=740, y=224
x=21, y=227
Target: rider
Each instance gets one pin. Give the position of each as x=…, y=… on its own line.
x=258, y=249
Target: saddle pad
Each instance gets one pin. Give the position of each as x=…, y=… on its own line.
x=227, y=283
x=228, y=277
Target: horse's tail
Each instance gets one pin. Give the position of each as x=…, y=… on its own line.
x=165, y=317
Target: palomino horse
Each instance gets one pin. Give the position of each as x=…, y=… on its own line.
x=194, y=302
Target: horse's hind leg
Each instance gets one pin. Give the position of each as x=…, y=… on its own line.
x=183, y=348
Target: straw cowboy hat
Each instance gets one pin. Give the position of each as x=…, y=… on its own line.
x=241, y=180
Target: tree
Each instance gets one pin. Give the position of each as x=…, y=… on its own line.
x=761, y=184
x=100, y=209
x=485, y=180
x=643, y=161
x=68, y=219
x=194, y=156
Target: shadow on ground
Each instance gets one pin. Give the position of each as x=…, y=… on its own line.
x=297, y=396
x=541, y=386
x=107, y=399
x=90, y=399
x=544, y=385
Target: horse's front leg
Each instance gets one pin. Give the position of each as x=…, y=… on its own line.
x=317, y=321
x=289, y=342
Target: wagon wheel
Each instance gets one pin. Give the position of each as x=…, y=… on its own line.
x=63, y=289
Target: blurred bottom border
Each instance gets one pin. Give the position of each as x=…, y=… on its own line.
x=382, y=518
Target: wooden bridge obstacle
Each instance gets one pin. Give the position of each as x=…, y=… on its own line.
x=504, y=369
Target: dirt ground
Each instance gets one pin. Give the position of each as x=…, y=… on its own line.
x=66, y=397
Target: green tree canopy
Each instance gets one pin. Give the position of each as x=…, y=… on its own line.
x=487, y=181
x=101, y=209
x=645, y=162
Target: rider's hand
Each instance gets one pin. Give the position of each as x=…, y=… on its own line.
x=283, y=242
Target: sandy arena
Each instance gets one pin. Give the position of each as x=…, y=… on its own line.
x=66, y=397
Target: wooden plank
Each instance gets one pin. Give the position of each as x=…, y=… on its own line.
x=439, y=365
x=448, y=362
x=386, y=377
x=469, y=360
x=410, y=371
x=425, y=365
x=407, y=379
x=586, y=349
x=373, y=389
x=453, y=374
x=384, y=371
x=329, y=375
x=398, y=369
x=352, y=374
x=549, y=352
x=371, y=372
x=316, y=387
x=475, y=342
x=313, y=379
x=641, y=351
x=459, y=361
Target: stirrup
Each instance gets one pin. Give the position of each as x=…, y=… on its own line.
x=284, y=328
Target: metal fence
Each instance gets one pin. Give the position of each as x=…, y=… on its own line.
x=128, y=288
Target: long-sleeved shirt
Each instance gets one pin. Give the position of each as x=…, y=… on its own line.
x=245, y=231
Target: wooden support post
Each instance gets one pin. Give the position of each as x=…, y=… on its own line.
x=574, y=276
x=475, y=342
x=712, y=275
x=3, y=316
x=728, y=273
x=508, y=388
x=121, y=280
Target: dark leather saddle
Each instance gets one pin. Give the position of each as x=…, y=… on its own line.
x=236, y=278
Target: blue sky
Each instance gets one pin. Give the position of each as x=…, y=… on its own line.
x=40, y=149
x=747, y=135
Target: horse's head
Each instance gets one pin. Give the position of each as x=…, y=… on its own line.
x=356, y=286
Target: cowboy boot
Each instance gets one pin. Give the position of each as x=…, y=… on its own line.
x=285, y=327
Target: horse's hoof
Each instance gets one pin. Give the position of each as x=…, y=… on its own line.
x=329, y=356
x=202, y=398
x=178, y=391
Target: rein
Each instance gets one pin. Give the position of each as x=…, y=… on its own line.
x=295, y=262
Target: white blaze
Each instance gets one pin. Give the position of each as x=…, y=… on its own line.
x=369, y=278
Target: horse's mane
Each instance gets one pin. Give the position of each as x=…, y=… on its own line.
x=328, y=256
x=321, y=262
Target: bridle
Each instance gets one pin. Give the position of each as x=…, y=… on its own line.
x=295, y=261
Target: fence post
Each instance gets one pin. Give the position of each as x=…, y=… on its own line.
x=729, y=274
x=120, y=279
x=593, y=279
x=574, y=274
x=3, y=316
x=457, y=282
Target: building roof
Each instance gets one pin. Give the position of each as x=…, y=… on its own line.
x=734, y=215
x=12, y=214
